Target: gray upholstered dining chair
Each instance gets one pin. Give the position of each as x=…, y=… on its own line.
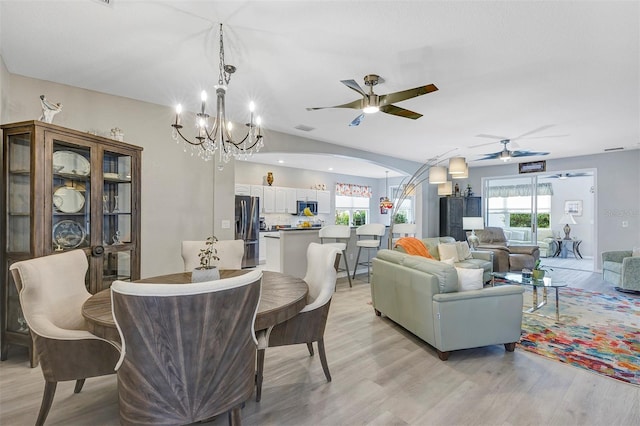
x=308, y=326
x=188, y=350
x=337, y=236
x=230, y=253
x=52, y=291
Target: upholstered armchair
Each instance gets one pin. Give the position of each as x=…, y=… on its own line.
x=188, y=350
x=506, y=258
x=308, y=326
x=52, y=291
x=230, y=253
x=622, y=269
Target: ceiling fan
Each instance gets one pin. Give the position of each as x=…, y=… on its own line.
x=567, y=175
x=371, y=103
x=506, y=155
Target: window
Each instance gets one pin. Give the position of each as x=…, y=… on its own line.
x=405, y=213
x=352, y=211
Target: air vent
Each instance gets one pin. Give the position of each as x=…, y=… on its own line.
x=614, y=149
x=304, y=128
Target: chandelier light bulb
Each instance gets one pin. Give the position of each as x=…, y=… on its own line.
x=258, y=120
x=229, y=125
x=203, y=96
x=252, y=106
x=179, y=109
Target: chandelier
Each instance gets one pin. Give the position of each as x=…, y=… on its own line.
x=215, y=135
x=385, y=203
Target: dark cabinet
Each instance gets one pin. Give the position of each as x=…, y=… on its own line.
x=452, y=210
x=65, y=190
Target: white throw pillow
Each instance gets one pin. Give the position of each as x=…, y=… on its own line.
x=469, y=279
x=464, y=252
x=448, y=251
x=448, y=262
x=635, y=252
x=517, y=235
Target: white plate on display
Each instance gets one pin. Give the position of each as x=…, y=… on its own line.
x=68, y=200
x=71, y=162
x=68, y=234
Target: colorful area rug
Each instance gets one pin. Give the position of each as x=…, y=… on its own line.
x=598, y=332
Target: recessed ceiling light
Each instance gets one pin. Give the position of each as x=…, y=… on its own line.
x=280, y=161
x=330, y=168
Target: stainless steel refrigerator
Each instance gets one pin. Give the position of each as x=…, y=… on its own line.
x=248, y=228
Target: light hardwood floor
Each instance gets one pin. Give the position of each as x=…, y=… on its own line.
x=382, y=375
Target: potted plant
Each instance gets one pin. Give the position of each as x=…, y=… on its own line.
x=206, y=271
x=539, y=271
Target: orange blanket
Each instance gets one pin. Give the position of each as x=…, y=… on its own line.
x=414, y=246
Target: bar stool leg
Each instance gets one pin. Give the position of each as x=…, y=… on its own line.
x=346, y=266
x=355, y=268
x=368, y=265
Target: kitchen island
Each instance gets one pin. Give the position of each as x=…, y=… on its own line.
x=287, y=250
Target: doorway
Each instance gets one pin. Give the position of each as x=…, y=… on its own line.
x=538, y=209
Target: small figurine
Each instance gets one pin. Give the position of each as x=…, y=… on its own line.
x=49, y=109
x=457, y=190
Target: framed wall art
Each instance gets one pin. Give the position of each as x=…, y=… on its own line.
x=573, y=207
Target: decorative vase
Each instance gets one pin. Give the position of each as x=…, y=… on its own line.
x=537, y=274
x=199, y=275
x=269, y=178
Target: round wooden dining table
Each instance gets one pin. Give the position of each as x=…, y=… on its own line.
x=282, y=297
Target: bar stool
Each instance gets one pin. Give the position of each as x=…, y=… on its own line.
x=375, y=231
x=340, y=234
x=402, y=230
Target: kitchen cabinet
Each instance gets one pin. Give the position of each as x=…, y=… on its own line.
x=286, y=200
x=306, y=195
x=268, y=200
x=452, y=210
x=242, y=189
x=324, y=202
x=65, y=190
x=257, y=191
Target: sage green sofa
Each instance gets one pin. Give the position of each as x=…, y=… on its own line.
x=622, y=269
x=422, y=296
x=479, y=259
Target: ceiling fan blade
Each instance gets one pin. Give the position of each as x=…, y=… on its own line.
x=356, y=121
x=357, y=104
x=527, y=153
x=548, y=136
x=492, y=137
x=493, y=156
x=401, y=112
x=539, y=129
x=391, y=98
x=351, y=84
x=482, y=144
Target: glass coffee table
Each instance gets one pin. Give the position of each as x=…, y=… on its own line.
x=544, y=284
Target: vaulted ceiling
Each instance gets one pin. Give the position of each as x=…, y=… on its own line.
x=566, y=71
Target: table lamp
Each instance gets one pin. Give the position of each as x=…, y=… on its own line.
x=473, y=223
x=567, y=219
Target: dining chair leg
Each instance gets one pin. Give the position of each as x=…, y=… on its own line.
x=47, y=399
x=346, y=266
x=323, y=359
x=310, y=347
x=355, y=267
x=259, y=372
x=79, y=384
x=234, y=416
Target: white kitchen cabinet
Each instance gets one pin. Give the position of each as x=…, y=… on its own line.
x=324, y=202
x=291, y=204
x=306, y=194
x=281, y=200
x=268, y=200
x=243, y=189
x=256, y=191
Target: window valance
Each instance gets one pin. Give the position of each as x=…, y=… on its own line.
x=518, y=190
x=352, y=190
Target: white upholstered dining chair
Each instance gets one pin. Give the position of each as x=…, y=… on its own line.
x=308, y=326
x=52, y=291
x=337, y=236
x=230, y=253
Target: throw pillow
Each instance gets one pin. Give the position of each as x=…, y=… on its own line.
x=464, y=252
x=635, y=252
x=469, y=279
x=448, y=251
x=448, y=262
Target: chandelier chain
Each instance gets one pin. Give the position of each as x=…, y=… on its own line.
x=223, y=77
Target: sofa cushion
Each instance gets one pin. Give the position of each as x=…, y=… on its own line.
x=612, y=266
x=516, y=235
x=448, y=262
x=464, y=252
x=448, y=251
x=469, y=279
